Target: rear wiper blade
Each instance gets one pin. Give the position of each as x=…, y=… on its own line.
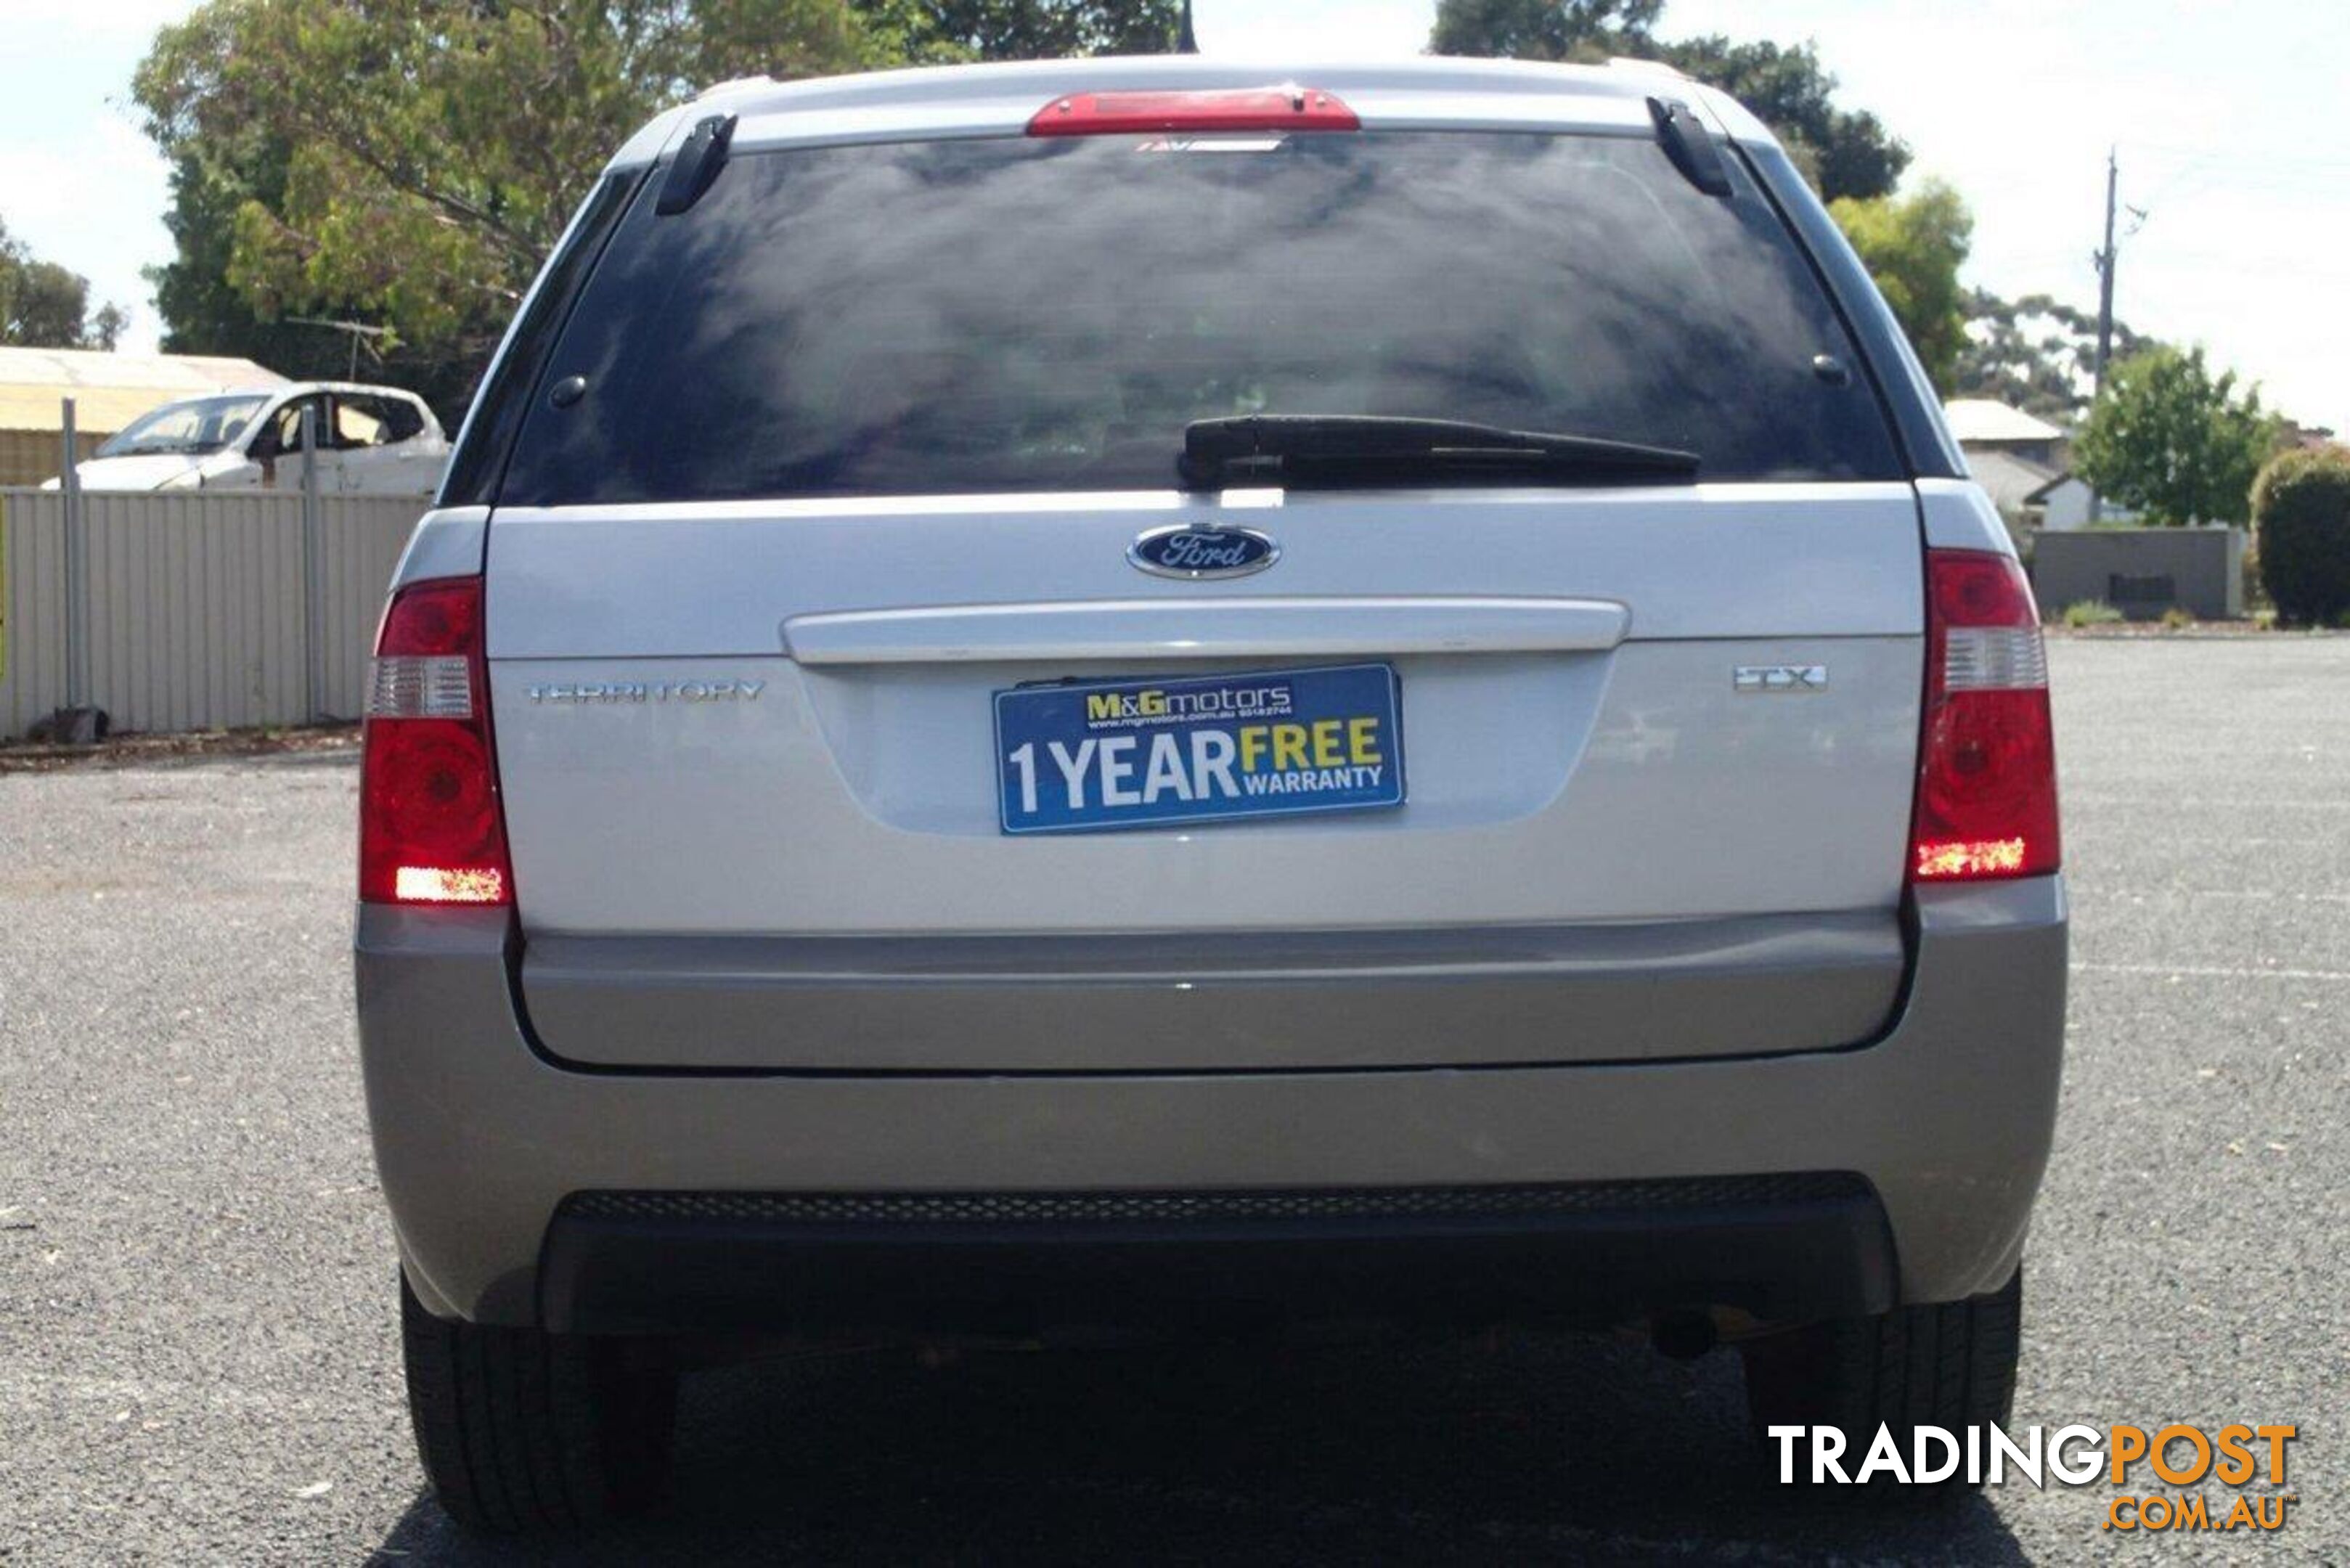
x=1354, y=449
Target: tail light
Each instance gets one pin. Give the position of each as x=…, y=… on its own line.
x=1987, y=765
x=432, y=829
x=1246, y=108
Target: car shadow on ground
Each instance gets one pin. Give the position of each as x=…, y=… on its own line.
x=1489, y=1450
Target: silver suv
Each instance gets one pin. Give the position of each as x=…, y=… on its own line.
x=1128, y=695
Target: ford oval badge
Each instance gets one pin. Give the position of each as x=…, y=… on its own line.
x=1201, y=550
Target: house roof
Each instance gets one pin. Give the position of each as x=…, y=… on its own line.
x=2040, y=495
x=109, y=390
x=1988, y=421
x=2010, y=481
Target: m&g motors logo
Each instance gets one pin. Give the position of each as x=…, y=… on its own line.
x=1152, y=705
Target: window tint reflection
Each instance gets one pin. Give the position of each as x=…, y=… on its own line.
x=937, y=317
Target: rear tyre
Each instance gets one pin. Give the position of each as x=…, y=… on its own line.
x=525, y=1431
x=1951, y=1367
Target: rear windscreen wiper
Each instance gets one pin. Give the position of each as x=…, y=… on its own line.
x=1359, y=448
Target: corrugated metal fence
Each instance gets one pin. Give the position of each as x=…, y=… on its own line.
x=197, y=613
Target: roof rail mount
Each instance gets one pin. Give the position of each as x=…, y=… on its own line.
x=698, y=163
x=1688, y=144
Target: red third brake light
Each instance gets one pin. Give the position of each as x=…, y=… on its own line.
x=432, y=830
x=1247, y=108
x=1987, y=766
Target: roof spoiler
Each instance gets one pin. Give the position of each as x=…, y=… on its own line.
x=698, y=163
x=1687, y=143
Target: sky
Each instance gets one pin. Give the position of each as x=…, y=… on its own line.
x=2228, y=119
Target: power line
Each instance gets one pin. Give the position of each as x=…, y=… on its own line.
x=2251, y=158
x=358, y=332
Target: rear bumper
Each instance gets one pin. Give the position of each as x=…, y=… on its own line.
x=481, y=1141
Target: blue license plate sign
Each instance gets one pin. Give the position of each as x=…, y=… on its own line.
x=1097, y=755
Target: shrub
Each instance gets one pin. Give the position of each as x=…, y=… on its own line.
x=2301, y=509
x=2090, y=612
x=2178, y=618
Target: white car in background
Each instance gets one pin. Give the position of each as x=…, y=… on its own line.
x=376, y=441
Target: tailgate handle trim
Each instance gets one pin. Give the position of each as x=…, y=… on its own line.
x=1061, y=632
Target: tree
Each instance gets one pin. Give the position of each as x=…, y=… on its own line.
x=412, y=161
x=927, y=31
x=1543, y=29
x=409, y=164
x=1913, y=246
x=43, y=305
x=203, y=313
x=2174, y=443
x=106, y=327
x=1842, y=152
x=2301, y=504
x=2034, y=353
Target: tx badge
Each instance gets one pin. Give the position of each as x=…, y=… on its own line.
x=1780, y=677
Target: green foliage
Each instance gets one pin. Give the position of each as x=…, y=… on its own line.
x=1844, y=152
x=2173, y=442
x=2300, y=507
x=203, y=313
x=409, y=164
x=944, y=31
x=413, y=160
x=1913, y=246
x=1543, y=29
x=43, y=306
x=2090, y=612
x=2178, y=618
x=2036, y=354
x=1847, y=154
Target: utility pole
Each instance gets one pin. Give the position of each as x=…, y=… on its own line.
x=2105, y=274
x=2104, y=299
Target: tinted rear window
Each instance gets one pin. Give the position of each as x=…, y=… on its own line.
x=1039, y=315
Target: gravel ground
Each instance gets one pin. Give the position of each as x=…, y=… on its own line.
x=197, y=1360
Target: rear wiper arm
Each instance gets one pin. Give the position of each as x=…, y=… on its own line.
x=1305, y=449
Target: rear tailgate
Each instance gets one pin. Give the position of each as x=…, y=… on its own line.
x=831, y=456
x=1640, y=852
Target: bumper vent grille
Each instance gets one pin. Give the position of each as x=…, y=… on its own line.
x=1208, y=1208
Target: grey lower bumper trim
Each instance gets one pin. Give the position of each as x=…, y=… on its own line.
x=1207, y=1208
x=1778, y=1248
